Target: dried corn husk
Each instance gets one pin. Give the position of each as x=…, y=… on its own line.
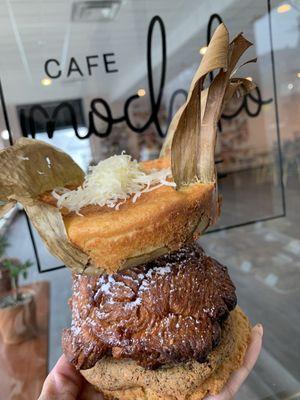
x=32, y=167
x=192, y=133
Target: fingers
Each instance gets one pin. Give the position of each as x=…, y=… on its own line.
x=238, y=377
x=63, y=382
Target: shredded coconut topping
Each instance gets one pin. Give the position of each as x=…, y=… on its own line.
x=111, y=183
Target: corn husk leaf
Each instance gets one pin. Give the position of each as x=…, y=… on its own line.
x=35, y=167
x=238, y=87
x=185, y=150
x=49, y=223
x=30, y=168
x=192, y=132
x=5, y=207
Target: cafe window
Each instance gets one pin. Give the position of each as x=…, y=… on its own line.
x=98, y=78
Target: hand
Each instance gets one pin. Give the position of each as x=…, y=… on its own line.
x=238, y=377
x=65, y=383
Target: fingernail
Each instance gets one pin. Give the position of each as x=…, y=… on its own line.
x=259, y=329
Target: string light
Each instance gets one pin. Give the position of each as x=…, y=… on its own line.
x=5, y=134
x=46, y=81
x=283, y=8
x=141, y=92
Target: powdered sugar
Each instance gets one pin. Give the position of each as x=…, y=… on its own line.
x=132, y=304
x=159, y=271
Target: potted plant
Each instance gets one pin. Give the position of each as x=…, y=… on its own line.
x=5, y=278
x=17, y=308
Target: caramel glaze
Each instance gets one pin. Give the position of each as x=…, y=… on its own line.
x=164, y=312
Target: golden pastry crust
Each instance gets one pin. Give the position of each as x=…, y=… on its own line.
x=158, y=222
x=162, y=219
x=125, y=380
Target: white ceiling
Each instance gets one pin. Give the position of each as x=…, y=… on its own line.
x=33, y=30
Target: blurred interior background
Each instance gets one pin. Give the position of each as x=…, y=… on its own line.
x=68, y=70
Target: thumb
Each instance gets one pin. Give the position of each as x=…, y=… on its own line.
x=63, y=382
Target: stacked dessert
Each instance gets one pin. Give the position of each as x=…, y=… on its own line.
x=153, y=317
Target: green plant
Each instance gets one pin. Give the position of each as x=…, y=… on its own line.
x=3, y=245
x=16, y=269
